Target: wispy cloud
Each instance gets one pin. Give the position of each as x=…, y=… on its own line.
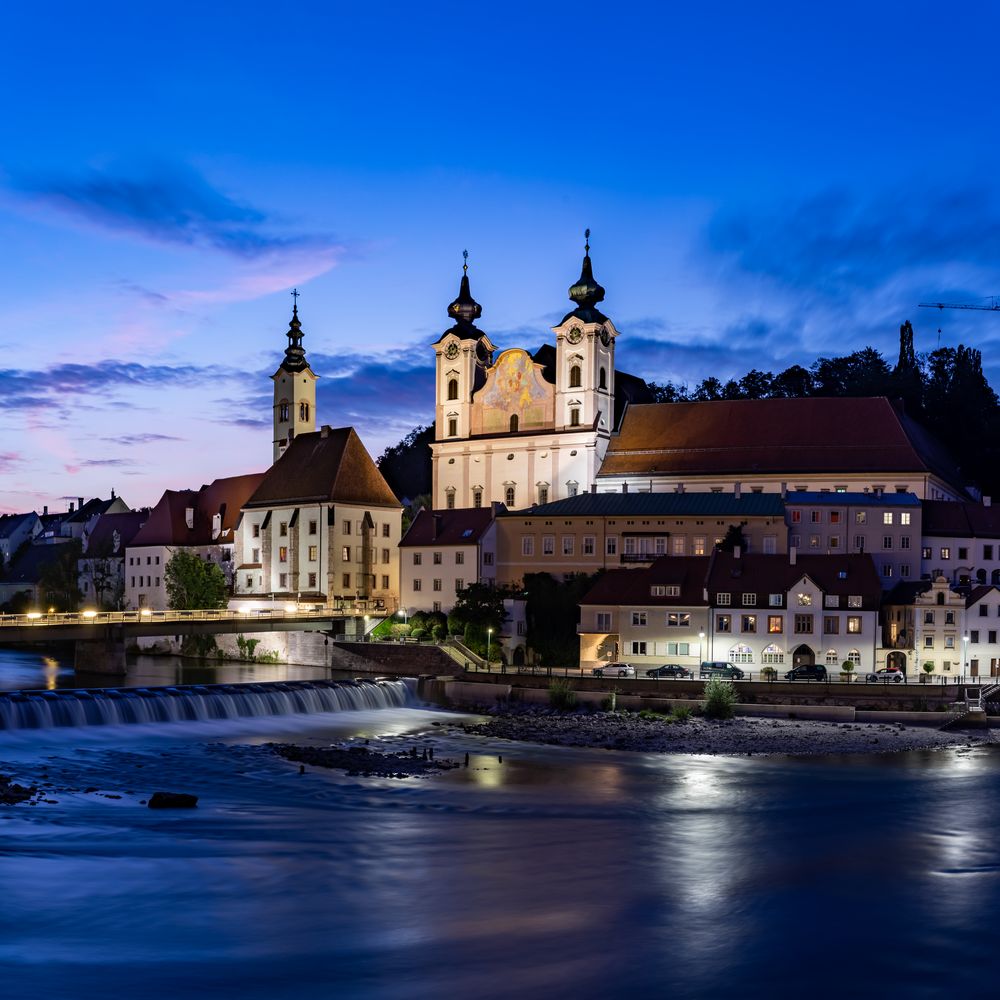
x=168, y=204
x=138, y=439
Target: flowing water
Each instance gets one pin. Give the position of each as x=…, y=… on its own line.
x=552, y=873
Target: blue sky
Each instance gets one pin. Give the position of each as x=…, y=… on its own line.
x=763, y=186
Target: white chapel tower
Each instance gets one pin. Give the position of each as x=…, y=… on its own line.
x=294, y=389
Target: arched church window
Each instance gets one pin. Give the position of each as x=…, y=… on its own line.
x=450, y=498
x=603, y=379
x=574, y=417
x=508, y=496
x=283, y=411
x=452, y=427
x=453, y=388
x=513, y=424
x=303, y=411
x=477, y=498
x=574, y=377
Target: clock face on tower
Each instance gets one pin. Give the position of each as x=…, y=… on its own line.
x=575, y=335
x=451, y=351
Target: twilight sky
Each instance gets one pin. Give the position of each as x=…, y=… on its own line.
x=765, y=183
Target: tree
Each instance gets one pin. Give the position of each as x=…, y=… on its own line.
x=194, y=583
x=553, y=611
x=734, y=537
x=407, y=466
x=59, y=581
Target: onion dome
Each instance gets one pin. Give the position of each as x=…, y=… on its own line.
x=295, y=354
x=586, y=293
x=465, y=308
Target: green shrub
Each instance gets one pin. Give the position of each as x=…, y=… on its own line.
x=720, y=698
x=768, y=673
x=562, y=696
x=440, y=633
x=418, y=633
x=680, y=713
x=929, y=667
x=399, y=631
x=246, y=647
x=268, y=656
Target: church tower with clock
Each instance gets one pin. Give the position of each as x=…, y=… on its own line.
x=294, y=389
x=522, y=428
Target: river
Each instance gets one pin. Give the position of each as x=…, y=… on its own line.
x=552, y=873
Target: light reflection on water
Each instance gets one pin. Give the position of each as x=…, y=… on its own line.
x=556, y=872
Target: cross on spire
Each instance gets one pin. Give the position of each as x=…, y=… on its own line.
x=586, y=245
x=295, y=295
x=465, y=257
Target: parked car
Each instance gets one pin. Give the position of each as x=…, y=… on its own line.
x=886, y=675
x=718, y=668
x=807, y=671
x=669, y=670
x=614, y=670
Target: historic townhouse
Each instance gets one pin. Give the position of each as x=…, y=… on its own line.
x=961, y=542
x=443, y=552
x=322, y=526
x=885, y=525
x=601, y=531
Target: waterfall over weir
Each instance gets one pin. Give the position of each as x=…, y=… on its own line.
x=20, y=710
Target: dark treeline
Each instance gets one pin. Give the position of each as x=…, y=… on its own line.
x=945, y=390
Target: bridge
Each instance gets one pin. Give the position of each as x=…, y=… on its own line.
x=101, y=636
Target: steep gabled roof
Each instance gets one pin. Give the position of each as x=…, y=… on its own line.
x=10, y=524
x=943, y=519
x=167, y=524
x=461, y=526
x=125, y=526
x=786, y=437
x=634, y=586
x=326, y=466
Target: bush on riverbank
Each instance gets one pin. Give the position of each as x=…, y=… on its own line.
x=562, y=696
x=720, y=699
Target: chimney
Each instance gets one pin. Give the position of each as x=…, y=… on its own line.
x=79, y=504
x=71, y=506
x=45, y=511
x=497, y=507
x=737, y=551
x=784, y=491
x=791, y=555
x=736, y=490
x=324, y=431
x=113, y=493
x=624, y=487
x=680, y=487
x=987, y=501
x=593, y=487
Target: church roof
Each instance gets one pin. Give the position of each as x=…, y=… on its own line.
x=782, y=437
x=328, y=465
x=167, y=523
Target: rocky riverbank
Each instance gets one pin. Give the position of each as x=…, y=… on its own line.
x=360, y=760
x=733, y=737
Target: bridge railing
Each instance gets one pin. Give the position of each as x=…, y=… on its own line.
x=146, y=615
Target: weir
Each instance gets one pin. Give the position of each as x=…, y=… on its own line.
x=23, y=710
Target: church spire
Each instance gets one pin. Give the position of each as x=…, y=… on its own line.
x=465, y=308
x=295, y=354
x=586, y=293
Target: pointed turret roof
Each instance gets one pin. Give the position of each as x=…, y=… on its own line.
x=465, y=309
x=586, y=293
x=295, y=353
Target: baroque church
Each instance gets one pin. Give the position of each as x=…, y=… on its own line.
x=522, y=428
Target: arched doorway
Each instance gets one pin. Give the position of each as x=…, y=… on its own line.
x=803, y=657
x=896, y=661
x=519, y=656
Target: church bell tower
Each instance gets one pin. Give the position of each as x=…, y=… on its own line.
x=294, y=389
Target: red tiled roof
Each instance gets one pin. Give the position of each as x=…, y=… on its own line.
x=462, y=526
x=633, y=586
x=777, y=436
x=167, y=524
x=101, y=541
x=329, y=465
x=761, y=575
x=942, y=518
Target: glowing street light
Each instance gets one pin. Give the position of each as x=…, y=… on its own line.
x=90, y=613
x=402, y=611
x=489, y=642
x=965, y=653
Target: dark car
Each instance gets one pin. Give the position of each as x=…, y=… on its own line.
x=669, y=670
x=807, y=672
x=718, y=668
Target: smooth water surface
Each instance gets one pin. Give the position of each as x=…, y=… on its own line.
x=556, y=873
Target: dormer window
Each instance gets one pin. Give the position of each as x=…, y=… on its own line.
x=189, y=517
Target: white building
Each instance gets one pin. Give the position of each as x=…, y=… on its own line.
x=443, y=552
x=321, y=525
x=961, y=542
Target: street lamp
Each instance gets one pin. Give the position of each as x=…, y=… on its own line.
x=489, y=641
x=366, y=629
x=402, y=611
x=965, y=655
x=701, y=643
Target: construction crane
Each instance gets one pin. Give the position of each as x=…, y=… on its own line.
x=993, y=306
